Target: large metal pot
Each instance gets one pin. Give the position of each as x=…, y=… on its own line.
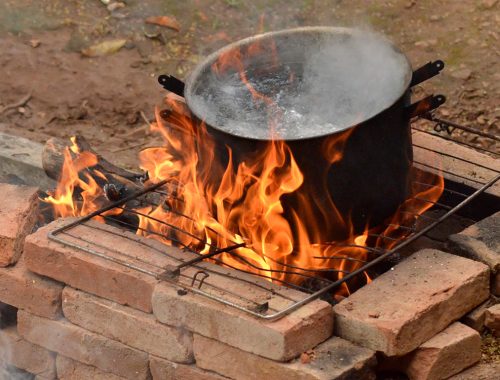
x=303, y=71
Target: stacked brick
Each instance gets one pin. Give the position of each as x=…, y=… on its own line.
x=83, y=317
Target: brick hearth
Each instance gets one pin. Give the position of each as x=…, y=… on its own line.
x=80, y=316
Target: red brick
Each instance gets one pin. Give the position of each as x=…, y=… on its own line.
x=18, y=212
x=131, y=327
x=25, y=290
x=492, y=320
x=481, y=242
x=475, y=319
x=162, y=369
x=446, y=354
x=449, y=165
x=334, y=359
x=16, y=351
x=69, y=369
x=86, y=347
x=282, y=339
x=413, y=302
x=88, y=272
x=481, y=371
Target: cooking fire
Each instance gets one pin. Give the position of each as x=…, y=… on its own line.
x=264, y=158
x=301, y=208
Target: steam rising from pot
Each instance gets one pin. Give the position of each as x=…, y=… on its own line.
x=315, y=83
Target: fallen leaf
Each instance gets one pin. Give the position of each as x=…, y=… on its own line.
x=305, y=358
x=35, y=43
x=463, y=74
x=166, y=21
x=103, y=48
x=114, y=6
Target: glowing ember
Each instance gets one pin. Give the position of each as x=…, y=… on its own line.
x=245, y=206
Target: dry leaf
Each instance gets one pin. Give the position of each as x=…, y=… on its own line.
x=103, y=48
x=35, y=43
x=307, y=357
x=166, y=21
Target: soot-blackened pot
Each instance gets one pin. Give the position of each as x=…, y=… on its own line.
x=312, y=87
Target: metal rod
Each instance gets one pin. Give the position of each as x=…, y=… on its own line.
x=372, y=263
x=456, y=158
x=431, y=117
x=110, y=207
x=450, y=173
x=177, y=269
x=455, y=141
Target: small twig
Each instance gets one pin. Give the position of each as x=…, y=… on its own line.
x=145, y=118
x=19, y=103
x=128, y=147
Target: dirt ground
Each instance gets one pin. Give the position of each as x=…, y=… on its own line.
x=60, y=92
x=48, y=88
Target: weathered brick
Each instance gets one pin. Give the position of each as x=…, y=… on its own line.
x=69, y=369
x=492, y=320
x=480, y=242
x=407, y=306
x=481, y=371
x=424, y=144
x=25, y=290
x=16, y=351
x=475, y=319
x=88, y=272
x=446, y=354
x=131, y=327
x=162, y=369
x=18, y=211
x=282, y=339
x=334, y=359
x=81, y=345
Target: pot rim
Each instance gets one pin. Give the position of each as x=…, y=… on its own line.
x=211, y=58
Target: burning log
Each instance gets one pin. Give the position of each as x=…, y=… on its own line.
x=53, y=161
x=111, y=182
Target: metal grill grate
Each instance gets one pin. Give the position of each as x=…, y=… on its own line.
x=190, y=272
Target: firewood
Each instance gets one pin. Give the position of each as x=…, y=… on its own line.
x=53, y=160
x=119, y=183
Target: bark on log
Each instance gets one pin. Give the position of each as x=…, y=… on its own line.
x=53, y=160
x=119, y=182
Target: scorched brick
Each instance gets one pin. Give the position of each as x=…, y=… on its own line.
x=335, y=359
x=131, y=327
x=18, y=212
x=25, y=290
x=84, y=346
x=407, y=306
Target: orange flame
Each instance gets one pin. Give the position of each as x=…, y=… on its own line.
x=246, y=206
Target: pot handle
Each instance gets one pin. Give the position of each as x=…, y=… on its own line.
x=425, y=72
x=424, y=105
x=172, y=84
